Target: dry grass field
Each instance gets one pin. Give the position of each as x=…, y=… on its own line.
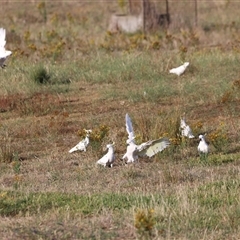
x=68, y=73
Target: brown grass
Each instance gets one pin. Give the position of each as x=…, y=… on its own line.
x=39, y=124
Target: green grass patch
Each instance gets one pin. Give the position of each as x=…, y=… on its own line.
x=206, y=201
x=14, y=203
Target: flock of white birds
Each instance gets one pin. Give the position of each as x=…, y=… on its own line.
x=134, y=151
x=146, y=149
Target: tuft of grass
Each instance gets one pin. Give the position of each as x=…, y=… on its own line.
x=144, y=222
x=40, y=75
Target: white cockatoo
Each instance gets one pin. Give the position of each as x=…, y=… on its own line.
x=3, y=52
x=179, y=70
x=185, y=129
x=82, y=145
x=147, y=149
x=203, y=147
x=108, y=159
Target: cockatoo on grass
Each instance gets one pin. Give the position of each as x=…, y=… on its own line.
x=3, y=52
x=108, y=159
x=203, y=147
x=82, y=146
x=185, y=129
x=179, y=70
x=147, y=149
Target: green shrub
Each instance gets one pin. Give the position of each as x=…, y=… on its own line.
x=41, y=75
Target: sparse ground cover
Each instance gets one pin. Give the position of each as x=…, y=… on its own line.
x=67, y=73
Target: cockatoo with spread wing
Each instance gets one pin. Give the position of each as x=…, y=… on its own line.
x=147, y=149
x=179, y=70
x=3, y=52
x=82, y=146
x=185, y=129
x=108, y=159
x=203, y=147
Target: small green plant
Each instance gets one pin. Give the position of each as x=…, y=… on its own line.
x=97, y=135
x=219, y=138
x=40, y=75
x=145, y=222
x=100, y=133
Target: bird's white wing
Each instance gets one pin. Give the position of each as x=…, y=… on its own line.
x=188, y=132
x=2, y=37
x=129, y=127
x=143, y=146
x=173, y=70
x=104, y=160
x=81, y=146
x=154, y=147
x=178, y=71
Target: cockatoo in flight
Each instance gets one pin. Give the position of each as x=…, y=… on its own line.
x=82, y=146
x=185, y=129
x=179, y=70
x=108, y=159
x=147, y=149
x=3, y=52
x=203, y=147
